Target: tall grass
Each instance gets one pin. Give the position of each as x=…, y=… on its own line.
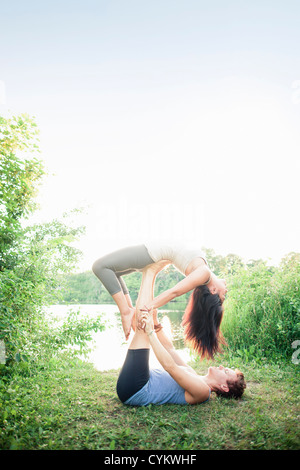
x=262, y=312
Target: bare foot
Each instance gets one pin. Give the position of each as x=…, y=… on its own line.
x=126, y=322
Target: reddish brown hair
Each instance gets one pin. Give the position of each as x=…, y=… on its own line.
x=236, y=387
x=201, y=321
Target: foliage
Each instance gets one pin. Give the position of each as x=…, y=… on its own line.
x=33, y=258
x=85, y=288
x=262, y=312
x=19, y=180
x=222, y=265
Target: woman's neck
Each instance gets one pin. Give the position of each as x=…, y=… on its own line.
x=209, y=381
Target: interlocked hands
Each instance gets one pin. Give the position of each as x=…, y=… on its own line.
x=146, y=320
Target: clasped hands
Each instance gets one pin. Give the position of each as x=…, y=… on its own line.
x=145, y=321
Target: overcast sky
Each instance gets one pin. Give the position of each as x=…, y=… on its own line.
x=166, y=119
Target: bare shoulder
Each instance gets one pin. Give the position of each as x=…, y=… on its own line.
x=196, y=390
x=200, y=393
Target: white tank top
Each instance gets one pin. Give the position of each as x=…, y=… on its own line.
x=179, y=255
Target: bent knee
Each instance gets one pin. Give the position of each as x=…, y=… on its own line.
x=98, y=267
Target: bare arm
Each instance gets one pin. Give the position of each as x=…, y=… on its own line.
x=197, y=278
x=168, y=345
x=196, y=390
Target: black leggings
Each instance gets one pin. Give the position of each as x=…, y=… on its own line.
x=134, y=374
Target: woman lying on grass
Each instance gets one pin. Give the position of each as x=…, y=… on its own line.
x=177, y=382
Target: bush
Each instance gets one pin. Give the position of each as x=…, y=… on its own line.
x=262, y=310
x=34, y=258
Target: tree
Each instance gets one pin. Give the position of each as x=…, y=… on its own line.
x=19, y=180
x=33, y=258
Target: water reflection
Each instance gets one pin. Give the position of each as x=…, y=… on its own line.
x=175, y=318
x=109, y=346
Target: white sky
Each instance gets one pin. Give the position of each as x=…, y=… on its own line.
x=169, y=119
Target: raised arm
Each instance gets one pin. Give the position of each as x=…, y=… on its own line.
x=167, y=343
x=196, y=390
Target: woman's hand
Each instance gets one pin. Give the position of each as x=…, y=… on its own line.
x=152, y=310
x=142, y=312
x=147, y=322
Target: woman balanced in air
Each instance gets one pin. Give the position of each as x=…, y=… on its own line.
x=204, y=311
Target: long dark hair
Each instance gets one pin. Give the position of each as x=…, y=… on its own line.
x=202, y=320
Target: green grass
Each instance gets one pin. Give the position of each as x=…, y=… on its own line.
x=69, y=405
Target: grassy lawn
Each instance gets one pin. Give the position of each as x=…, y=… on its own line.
x=70, y=405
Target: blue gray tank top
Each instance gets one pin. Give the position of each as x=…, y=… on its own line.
x=161, y=388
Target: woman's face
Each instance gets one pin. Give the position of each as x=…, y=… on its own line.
x=222, y=374
x=219, y=287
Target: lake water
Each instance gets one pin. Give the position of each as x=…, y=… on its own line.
x=109, y=346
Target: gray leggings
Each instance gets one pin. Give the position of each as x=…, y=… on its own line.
x=111, y=267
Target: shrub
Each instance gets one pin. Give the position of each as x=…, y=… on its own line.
x=262, y=309
x=33, y=258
